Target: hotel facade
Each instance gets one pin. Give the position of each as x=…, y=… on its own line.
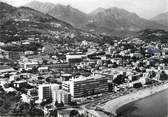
x=86, y=86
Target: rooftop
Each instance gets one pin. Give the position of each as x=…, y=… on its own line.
x=83, y=78
x=4, y=67
x=43, y=85
x=21, y=81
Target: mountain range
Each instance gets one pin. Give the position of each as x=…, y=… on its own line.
x=62, y=12
x=23, y=23
x=26, y=24
x=161, y=18
x=113, y=20
x=103, y=20
x=8, y=12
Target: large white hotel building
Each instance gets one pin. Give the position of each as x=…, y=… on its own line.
x=85, y=86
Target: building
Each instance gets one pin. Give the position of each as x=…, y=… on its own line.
x=28, y=52
x=6, y=69
x=85, y=86
x=74, y=58
x=25, y=75
x=30, y=65
x=20, y=84
x=12, y=55
x=65, y=77
x=136, y=55
x=66, y=67
x=47, y=91
x=62, y=96
x=43, y=70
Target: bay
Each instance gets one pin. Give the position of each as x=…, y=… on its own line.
x=152, y=106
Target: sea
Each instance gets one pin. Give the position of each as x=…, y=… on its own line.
x=152, y=106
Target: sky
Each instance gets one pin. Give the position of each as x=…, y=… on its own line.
x=144, y=8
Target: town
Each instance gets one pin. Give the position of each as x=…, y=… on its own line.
x=49, y=68
x=54, y=80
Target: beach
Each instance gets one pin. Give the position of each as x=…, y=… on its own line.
x=112, y=105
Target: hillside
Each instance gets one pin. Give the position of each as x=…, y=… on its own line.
x=5, y=10
x=112, y=20
x=116, y=19
x=25, y=24
x=98, y=10
x=62, y=12
x=149, y=35
x=161, y=19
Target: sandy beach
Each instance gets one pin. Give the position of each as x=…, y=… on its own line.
x=112, y=105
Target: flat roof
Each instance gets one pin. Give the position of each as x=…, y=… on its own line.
x=43, y=68
x=21, y=81
x=5, y=67
x=49, y=85
x=75, y=56
x=66, y=75
x=31, y=62
x=83, y=78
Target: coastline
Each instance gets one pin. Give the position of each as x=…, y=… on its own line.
x=113, y=105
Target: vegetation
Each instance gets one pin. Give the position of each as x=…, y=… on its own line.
x=53, y=113
x=25, y=109
x=60, y=104
x=21, y=48
x=74, y=113
x=48, y=101
x=8, y=102
x=119, y=80
x=163, y=76
x=149, y=35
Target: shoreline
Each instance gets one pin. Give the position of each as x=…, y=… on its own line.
x=113, y=105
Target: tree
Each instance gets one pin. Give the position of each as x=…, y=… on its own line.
x=119, y=80
x=36, y=112
x=163, y=76
x=40, y=78
x=21, y=109
x=56, y=103
x=115, y=65
x=48, y=101
x=137, y=85
x=45, y=62
x=1, y=102
x=34, y=70
x=152, y=74
x=53, y=113
x=74, y=103
x=48, y=80
x=6, y=75
x=61, y=104
x=74, y=113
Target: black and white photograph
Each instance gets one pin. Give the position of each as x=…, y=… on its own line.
x=83, y=58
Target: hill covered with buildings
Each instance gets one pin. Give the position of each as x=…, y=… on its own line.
x=48, y=67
